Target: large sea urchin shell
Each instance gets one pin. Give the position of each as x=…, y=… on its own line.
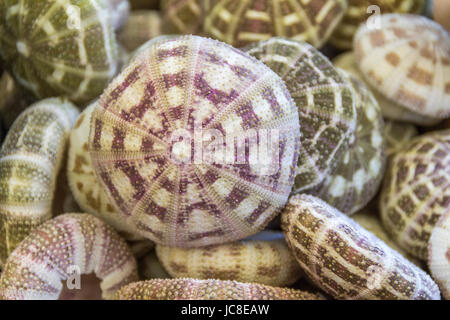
x=408, y=61
x=192, y=289
x=55, y=48
x=347, y=261
x=416, y=191
x=326, y=103
x=240, y=23
x=30, y=159
x=183, y=16
x=60, y=248
x=146, y=123
x=265, y=260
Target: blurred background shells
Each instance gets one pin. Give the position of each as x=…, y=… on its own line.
x=397, y=135
x=441, y=12
x=241, y=23
x=183, y=16
x=145, y=4
x=118, y=12
x=12, y=102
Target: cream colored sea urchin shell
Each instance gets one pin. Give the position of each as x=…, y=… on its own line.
x=347, y=261
x=30, y=159
x=170, y=98
x=68, y=245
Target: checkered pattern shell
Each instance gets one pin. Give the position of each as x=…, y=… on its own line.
x=183, y=16
x=408, y=61
x=58, y=47
x=181, y=88
x=325, y=100
x=416, y=191
x=358, y=11
x=347, y=261
x=242, y=22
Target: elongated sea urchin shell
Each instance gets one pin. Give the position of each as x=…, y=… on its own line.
x=183, y=16
x=265, y=261
x=51, y=253
x=439, y=254
x=397, y=136
x=192, y=289
x=30, y=159
x=347, y=261
x=58, y=47
x=416, y=191
x=240, y=23
x=408, y=61
x=146, y=126
x=326, y=102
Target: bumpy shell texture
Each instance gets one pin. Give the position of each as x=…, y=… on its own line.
x=397, y=136
x=241, y=22
x=266, y=261
x=60, y=47
x=192, y=289
x=162, y=109
x=359, y=11
x=347, y=261
x=141, y=26
x=326, y=103
x=30, y=159
x=416, y=191
x=59, y=249
x=183, y=16
x=439, y=254
x=408, y=61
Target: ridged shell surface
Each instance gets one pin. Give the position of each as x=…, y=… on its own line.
x=398, y=135
x=267, y=261
x=420, y=82
x=416, y=191
x=141, y=26
x=347, y=261
x=30, y=159
x=183, y=16
x=58, y=47
x=241, y=22
x=326, y=103
x=192, y=289
x=173, y=193
x=60, y=248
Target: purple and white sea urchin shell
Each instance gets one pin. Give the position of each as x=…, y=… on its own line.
x=52, y=253
x=169, y=101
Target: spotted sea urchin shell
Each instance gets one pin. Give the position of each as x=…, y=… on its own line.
x=347, y=261
x=408, y=61
x=30, y=159
x=171, y=91
x=59, y=47
x=326, y=102
x=192, y=289
x=51, y=253
x=265, y=260
x=416, y=191
x=240, y=23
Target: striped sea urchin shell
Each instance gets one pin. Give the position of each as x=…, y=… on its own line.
x=193, y=289
x=397, y=136
x=326, y=102
x=172, y=87
x=183, y=16
x=51, y=253
x=357, y=13
x=62, y=47
x=240, y=22
x=420, y=82
x=30, y=159
x=266, y=260
x=416, y=191
x=347, y=261
x=439, y=254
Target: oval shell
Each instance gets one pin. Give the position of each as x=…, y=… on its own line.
x=141, y=142
x=30, y=159
x=240, y=23
x=416, y=191
x=183, y=16
x=192, y=289
x=397, y=136
x=420, y=83
x=52, y=253
x=266, y=261
x=347, y=261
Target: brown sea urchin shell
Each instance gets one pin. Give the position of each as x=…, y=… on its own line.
x=347, y=261
x=192, y=289
x=170, y=91
x=51, y=253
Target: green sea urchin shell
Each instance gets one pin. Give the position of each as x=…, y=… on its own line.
x=58, y=48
